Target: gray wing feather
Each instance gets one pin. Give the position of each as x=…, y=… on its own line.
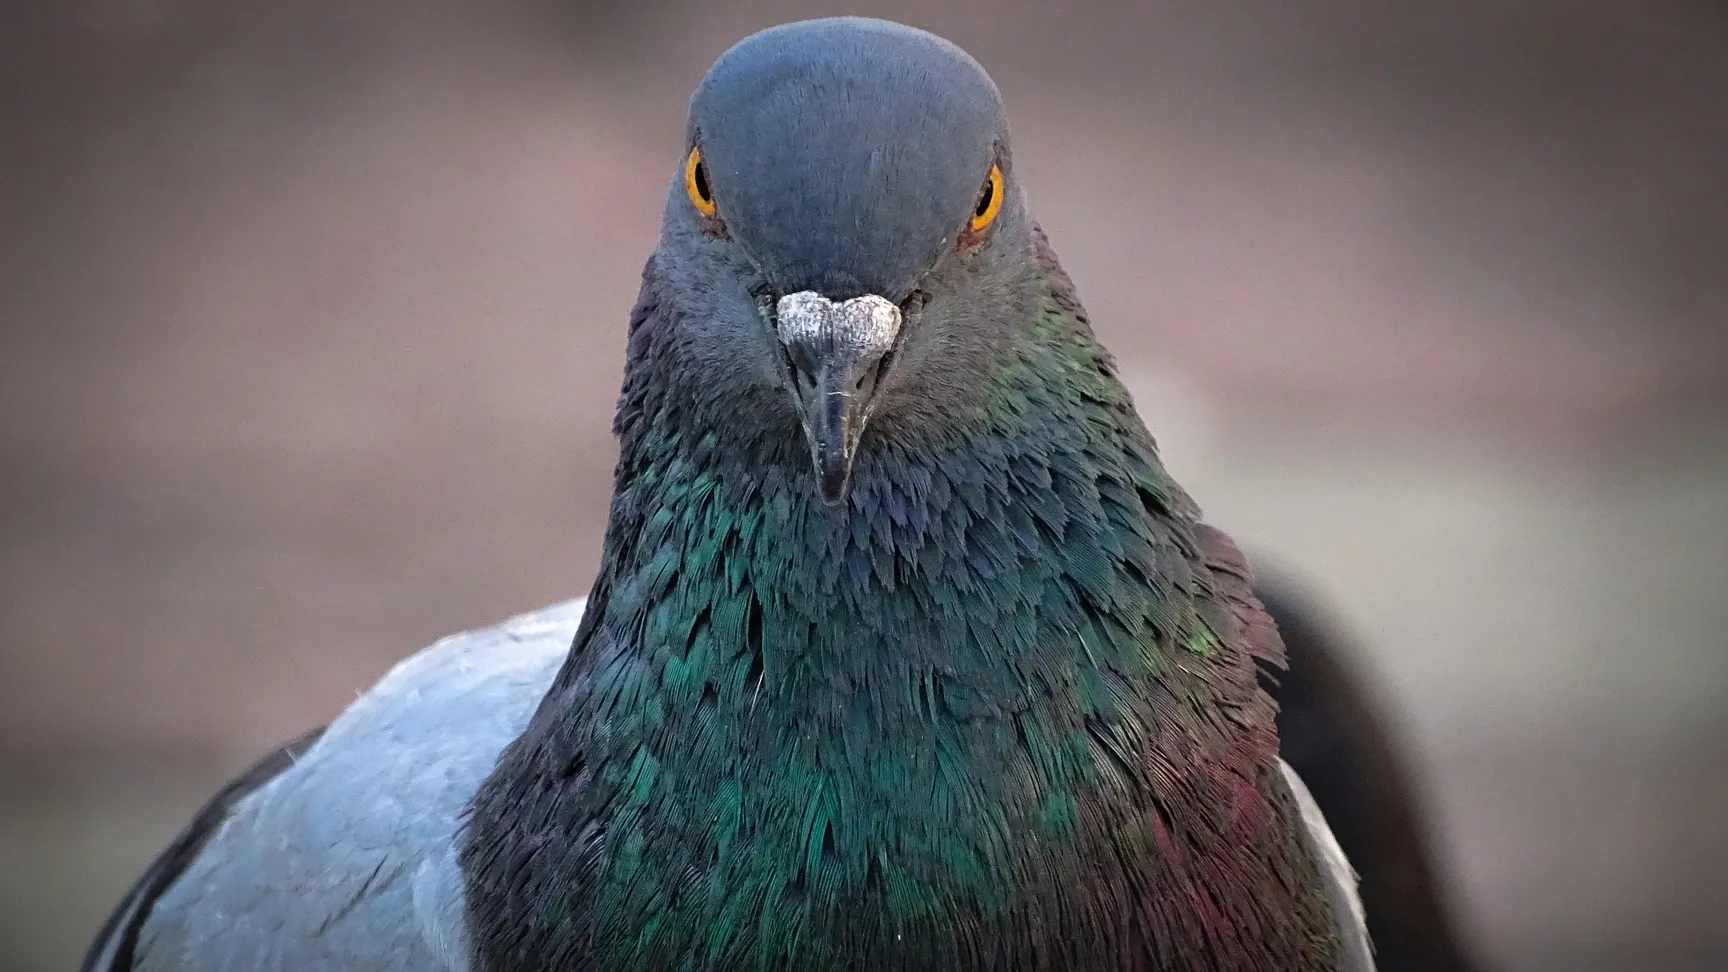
x=115, y=943
x=347, y=859
x=1339, y=878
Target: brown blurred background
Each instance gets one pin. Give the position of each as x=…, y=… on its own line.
x=313, y=317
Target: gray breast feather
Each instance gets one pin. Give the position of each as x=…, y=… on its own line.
x=1337, y=876
x=346, y=861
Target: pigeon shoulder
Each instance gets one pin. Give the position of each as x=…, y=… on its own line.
x=340, y=853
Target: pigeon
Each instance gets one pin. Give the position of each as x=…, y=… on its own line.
x=904, y=650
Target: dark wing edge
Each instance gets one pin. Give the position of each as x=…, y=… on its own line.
x=1341, y=742
x=113, y=949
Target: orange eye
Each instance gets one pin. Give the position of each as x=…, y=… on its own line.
x=989, y=202
x=696, y=183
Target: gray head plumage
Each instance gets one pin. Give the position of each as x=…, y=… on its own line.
x=845, y=154
x=831, y=161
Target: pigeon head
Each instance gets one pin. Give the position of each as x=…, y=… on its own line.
x=844, y=227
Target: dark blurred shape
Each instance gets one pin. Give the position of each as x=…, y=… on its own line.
x=1333, y=733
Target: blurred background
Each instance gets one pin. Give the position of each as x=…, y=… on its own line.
x=311, y=320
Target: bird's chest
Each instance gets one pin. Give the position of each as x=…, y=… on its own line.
x=1010, y=848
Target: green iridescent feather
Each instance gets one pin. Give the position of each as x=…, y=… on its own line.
x=996, y=712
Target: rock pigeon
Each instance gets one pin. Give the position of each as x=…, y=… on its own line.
x=905, y=651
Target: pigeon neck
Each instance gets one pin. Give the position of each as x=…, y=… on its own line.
x=795, y=736
x=950, y=583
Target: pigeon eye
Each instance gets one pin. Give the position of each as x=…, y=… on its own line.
x=696, y=183
x=989, y=202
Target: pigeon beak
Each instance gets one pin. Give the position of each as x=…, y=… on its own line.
x=836, y=355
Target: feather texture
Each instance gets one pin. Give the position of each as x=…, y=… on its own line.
x=1000, y=711
x=344, y=859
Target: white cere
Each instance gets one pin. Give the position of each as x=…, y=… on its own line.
x=864, y=326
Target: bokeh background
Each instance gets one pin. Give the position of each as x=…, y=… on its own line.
x=311, y=318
